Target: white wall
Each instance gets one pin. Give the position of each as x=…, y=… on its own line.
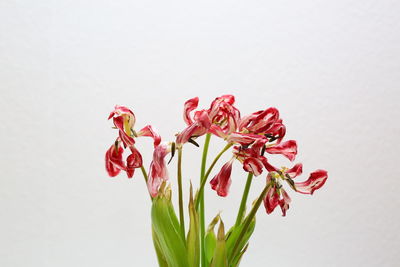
x=331, y=67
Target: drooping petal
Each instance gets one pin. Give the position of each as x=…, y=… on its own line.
x=150, y=132
x=158, y=170
x=114, y=161
x=287, y=149
x=268, y=166
x=198, y=128
x=316, y=180
x=284, y=201
x=271, y=199
x=121, y=110
x=133, y=161
x=190, y=105
x=222, y=181
x=253, y=165
x=295, y=171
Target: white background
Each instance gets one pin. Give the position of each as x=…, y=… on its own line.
x=331, y=67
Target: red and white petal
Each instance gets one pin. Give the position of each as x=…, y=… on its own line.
x=222, y=181
x=268, y=166
x=190, y=105
x=114, y=161
x=133, y=161
x=287, y=149
x=244, y=139
x=284, y=201
x=150, y=132
x=316, y=180
x=271, y=200
x=295, y=171
x=253, y=165
x=198, y=128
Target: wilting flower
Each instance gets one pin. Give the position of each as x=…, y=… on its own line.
x=222, y=181
x=276, y=195
x=221, y=119
x=158, y=168
x=124, y=120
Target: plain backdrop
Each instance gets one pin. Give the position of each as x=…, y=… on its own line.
x=332, y=68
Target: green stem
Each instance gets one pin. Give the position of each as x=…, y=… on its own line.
x=201, y=199
x=146, y=177
x=244, y=199
x=204, y=180
x=181, y=217
x=248, y=220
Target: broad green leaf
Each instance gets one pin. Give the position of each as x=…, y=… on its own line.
x=166, y=227
x=193, y=238
x=160, y=256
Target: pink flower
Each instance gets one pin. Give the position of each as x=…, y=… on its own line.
x=222, y=181
x=287, y=149
x=124, y=120
x=158, y=170
x=221, y=119
x=224, y=116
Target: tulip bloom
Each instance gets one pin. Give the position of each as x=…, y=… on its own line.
x=276, y=195
x=124, y=120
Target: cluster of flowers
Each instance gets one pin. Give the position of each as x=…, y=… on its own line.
x=251, y=137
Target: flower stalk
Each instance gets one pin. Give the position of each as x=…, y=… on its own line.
x=180, y=194
x=201, y=199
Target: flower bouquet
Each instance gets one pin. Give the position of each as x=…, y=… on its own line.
x=249, y=139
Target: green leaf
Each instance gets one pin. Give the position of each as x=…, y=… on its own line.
x=210, y=240
x=232, y=239
x=220, y=256
x=193, y=238
x=167, y=231
x=160, y=256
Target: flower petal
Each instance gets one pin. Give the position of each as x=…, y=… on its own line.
x=149, y=131
x=271, y=200
x=316, y=180
x=113, y=160
x=222, y=181
x=253, y=165
x=287, y=149
x=158, y=170
x=190, y=105
x=295, y=171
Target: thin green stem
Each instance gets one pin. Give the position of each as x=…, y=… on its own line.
x=201, y=199
x=204, y=180
x=146, y=177
x=242, y=207
x=181, y=217
x=248, y=220
x=144, y=173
